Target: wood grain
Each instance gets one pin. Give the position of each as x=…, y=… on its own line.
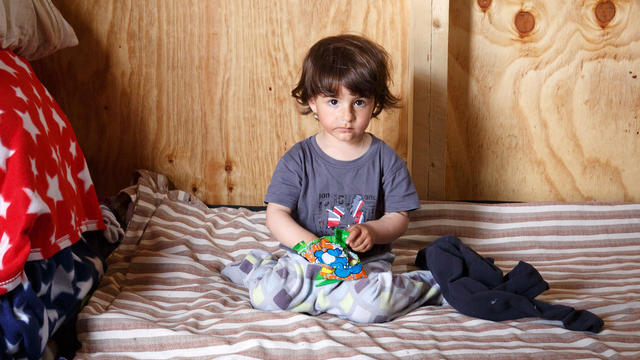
x=427, y=130
x=544, y=100
x=542, y=97
x=200, y=89
x=420, y=67
x=438, y=99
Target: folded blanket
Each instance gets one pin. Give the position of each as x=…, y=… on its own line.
x=47, y=197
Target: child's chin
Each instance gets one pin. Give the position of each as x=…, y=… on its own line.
x=346, y=136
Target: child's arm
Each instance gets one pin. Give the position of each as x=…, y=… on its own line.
x=284, y=228
x=389, y=227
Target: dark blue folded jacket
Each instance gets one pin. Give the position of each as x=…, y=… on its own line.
x=474, y=286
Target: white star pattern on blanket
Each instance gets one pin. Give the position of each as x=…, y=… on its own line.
x=70, y=179
x=43, y=207
x=44, y=332
x=85, y=177
x=7, y=68
x=72, y=149
x=22, y=64
x=34, y=168
x=20, y=314
x=4, y=246
x=59, y=284
x=58, y=119
x=20, y=94
x=43, y=120
x=4, y=205
x=54, y=189
x=5, y=153
x=36, y=205
x=54, y=155
x=35, y=92
x=28, y=125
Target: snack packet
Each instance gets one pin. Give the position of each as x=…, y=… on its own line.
x=340, y=262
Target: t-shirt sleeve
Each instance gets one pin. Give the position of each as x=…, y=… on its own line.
x=286, y=182
x=399, y=192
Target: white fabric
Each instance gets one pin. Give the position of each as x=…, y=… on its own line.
x=34, y=28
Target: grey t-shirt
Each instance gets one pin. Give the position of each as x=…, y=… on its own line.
x=324, y=193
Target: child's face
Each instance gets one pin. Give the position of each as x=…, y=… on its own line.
x=344, y=116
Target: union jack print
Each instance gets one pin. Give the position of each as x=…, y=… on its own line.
x=356, y=209
x=334, y=216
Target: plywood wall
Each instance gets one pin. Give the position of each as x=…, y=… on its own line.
x=427, y=123
x=544, y=100
x=503, y=99
x=200, y=89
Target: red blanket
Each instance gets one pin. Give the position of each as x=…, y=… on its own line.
x=47, y=198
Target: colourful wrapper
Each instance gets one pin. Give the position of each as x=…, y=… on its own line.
x=340, y=262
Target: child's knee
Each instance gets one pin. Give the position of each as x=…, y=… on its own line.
x=365, y=303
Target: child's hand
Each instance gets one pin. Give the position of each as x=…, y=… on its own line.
x=361, y=237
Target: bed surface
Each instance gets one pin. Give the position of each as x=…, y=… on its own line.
x=163, y=295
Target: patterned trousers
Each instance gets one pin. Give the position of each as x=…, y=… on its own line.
x=287, y=283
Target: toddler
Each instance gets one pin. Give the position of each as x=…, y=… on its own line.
x=342, y=177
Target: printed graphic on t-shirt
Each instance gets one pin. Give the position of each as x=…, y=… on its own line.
x=341, y=211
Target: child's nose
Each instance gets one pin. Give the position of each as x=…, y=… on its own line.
x=349, y=114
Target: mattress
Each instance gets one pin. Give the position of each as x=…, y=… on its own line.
x=163, y=296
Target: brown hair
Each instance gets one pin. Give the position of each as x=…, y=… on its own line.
x=352, y=61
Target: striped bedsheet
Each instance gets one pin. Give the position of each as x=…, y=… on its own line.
x=163, y=296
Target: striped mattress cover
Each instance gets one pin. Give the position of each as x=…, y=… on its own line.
x=163, y=296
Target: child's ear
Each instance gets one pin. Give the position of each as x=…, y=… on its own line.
x=312, y=105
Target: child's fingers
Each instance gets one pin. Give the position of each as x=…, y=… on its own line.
x=362, y=246
x=354, y=233
x=358, y=239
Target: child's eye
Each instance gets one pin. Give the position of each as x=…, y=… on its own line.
x=333, y=102
x=360, y=102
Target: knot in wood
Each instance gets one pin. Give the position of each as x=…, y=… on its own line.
x=525, y=22
x=605, y=12
x=484, y=4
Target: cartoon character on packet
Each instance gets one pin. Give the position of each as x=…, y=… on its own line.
x=342, y=263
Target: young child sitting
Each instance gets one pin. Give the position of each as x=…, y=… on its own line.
x=342, y=177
